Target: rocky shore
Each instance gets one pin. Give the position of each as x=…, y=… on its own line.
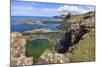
x=42, y=30
x=30, y=21
x=19, y=55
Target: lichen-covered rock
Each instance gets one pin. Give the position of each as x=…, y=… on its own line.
x=88, y=24
x=52, y=58
x=18, y=50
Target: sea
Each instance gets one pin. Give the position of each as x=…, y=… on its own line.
x=18, y=26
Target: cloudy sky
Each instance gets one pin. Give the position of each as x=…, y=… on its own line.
x=46, y=9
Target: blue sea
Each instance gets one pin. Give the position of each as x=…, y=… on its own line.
x=18, y=26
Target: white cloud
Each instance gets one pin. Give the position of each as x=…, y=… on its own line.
x=74, y=9
x=27, y=10
x=67, y=8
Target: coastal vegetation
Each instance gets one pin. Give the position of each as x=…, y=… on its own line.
x=73, y=42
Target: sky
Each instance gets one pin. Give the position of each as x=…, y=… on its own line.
x=21, y=8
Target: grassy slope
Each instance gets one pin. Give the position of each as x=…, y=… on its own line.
x=84, y=50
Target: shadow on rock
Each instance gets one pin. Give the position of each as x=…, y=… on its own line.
x=72, y=37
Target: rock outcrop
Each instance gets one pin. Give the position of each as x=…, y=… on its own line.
x=18, y=50
x=53, y=58
x=75, y=30
x=88, y=24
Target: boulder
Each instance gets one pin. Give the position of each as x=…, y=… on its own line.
x=88, y=24
x=52, y=58
x=18, y=50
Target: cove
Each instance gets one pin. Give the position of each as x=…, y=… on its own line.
x=35, y=48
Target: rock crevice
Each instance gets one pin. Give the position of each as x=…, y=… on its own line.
x=75, y=31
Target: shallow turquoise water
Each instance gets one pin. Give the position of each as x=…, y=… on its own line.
x=35, y=48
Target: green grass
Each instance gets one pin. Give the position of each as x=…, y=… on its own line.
x=84, y=51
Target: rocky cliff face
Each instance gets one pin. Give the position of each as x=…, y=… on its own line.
x=76, y=27
x=18, y=50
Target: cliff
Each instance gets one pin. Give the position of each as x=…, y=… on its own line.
x=76, y=28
